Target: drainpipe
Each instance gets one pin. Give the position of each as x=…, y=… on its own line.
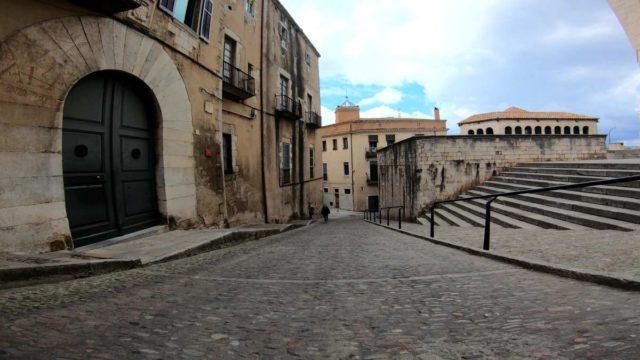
x=352, y=169
x=263, y=153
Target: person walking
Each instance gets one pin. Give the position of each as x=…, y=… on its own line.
x=325, y=212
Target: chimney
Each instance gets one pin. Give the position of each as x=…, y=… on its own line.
x=436, y=113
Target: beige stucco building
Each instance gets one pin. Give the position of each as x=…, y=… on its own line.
x=516, y=121
x=121, y=115
x=349, y=153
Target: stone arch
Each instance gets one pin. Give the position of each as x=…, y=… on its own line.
x=489, y=131
x=508, y=130
x=480, y=132
x=547, y=130
x=585, y=130
x=38, y=66
x=470, y=132
x=518, y=130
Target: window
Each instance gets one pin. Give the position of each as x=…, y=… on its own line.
x=518, y=130
x=345, y=166
x=326, y=190
x=227, y=153
x=391, y=139
x=324, y=145
x=557, y=130
x=325, y=174
x=312, y=162
x=567, y=130
x=373, y=143
x=205, y=24
x=249, y=6
x=345, y=143
x=373, y=171
x=229, y=57
x=527, y=130
x=576, y=130
x=335, y=144
x=309, y=105
x=547, y=130
x=284, y=35
x=508, y=130
x=192, y=13
x=489, y=131
x=480, y=132
x=585, y=130
x=285, y=168
x=347, y=191
x=538, y=130
x=307, y=58
x=470, y=132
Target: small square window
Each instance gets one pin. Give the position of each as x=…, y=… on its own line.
x=326, y=190
x=347, y=191
x=324, y=145
x=335, y=144
x=345, y=143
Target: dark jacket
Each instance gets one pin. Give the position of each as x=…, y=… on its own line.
x=325, y=211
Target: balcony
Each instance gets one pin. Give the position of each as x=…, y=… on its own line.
x=371, y=152
x=236, y=84
x=288, y=108
x=109, y=6
x=313, y=120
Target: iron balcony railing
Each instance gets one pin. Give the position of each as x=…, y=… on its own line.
x=237, y=84
x=492, y=197
x=313, y=119
x=288, y=108
x=371, y=152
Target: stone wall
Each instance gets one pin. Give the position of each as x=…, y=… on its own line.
x=418, y=171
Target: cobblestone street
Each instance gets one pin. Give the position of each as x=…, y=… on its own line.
x=342, y=290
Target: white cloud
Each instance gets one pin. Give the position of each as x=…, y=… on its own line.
x=564, y=33
x=388, y=112
x=385, y=96
x=328, y=116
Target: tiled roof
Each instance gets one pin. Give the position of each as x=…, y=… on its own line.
x=515, y=113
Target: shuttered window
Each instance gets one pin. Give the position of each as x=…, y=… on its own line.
x=205, y=24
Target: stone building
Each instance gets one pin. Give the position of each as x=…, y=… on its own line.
x=516, y=121
x=349, y=148
x=120, y=115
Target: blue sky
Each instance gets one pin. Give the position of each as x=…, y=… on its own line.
x=403, y=57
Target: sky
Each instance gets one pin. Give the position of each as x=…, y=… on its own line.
x=405, y=57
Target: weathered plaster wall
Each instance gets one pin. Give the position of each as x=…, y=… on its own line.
x=419, y=171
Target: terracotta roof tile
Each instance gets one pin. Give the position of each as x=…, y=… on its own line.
x=516, y=113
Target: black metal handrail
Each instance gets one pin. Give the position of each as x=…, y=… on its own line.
x=492, y=197
x=371, y=214
x=313, y=119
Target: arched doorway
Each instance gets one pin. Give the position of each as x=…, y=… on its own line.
x=108, y=156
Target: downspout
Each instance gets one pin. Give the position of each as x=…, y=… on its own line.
x=352, y=169
x=262, y=123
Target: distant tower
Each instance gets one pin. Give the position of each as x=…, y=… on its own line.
x=348, y=111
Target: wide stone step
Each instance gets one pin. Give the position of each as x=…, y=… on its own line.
x=598, y=199
x=631, y=164
x=534, y=219
x=496, y=218
x=462, y=215
x=600, y=189
x=575, y=217
x=591, y=172
x=455, y=217
x=445, y=220
x=565, y=178
x=632, y=216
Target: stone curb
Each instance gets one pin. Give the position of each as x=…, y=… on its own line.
x=18, y=276
x=601, y=278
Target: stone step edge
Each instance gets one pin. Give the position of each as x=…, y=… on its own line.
x=27, y=275
x=602, y=278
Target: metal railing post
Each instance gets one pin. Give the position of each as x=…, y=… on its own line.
x=380, y=217
x=432, y=220
x=399, y=218
x=388, y=216
x=487, y=224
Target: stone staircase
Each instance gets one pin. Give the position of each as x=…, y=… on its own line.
x=600, y=207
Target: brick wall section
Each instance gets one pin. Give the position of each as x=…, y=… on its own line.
x=418, y=171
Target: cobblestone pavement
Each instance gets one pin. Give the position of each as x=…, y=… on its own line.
x=599, y=250
x=342, y=290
